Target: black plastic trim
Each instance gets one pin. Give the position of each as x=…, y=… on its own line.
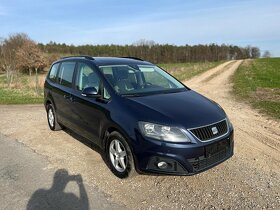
x=134, y=58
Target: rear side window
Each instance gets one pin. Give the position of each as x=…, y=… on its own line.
x=66, y=72
x=53, y=72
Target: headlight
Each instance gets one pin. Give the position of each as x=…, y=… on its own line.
x=163, y=132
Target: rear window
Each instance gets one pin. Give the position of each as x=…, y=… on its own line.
x=66, y=73
x=53, y=72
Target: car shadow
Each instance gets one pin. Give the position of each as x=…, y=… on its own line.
x=88, y=143
x=85, y=141
x=56, y=198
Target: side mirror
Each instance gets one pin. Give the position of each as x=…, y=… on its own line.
x=90, y=92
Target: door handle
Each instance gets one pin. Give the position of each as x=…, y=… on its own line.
x=68, y=97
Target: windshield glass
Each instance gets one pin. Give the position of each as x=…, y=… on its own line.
x=140, y=79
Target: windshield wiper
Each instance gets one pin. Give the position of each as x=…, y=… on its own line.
x=154, y=93
x=174, y=91
x=134, y=95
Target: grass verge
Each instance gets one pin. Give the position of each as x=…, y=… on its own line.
x=21, y=91
x=258, y=82
x=17, y=97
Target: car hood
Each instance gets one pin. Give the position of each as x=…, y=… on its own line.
x=188, y=109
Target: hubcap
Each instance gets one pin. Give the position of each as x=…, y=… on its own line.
x=51, y=117
x=118, y=155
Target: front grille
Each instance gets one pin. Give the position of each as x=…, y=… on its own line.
x=223, y=151
x=210, y=131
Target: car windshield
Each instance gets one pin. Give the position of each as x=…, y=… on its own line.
x=133, y=80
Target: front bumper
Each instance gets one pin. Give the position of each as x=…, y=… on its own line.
x=182, y=159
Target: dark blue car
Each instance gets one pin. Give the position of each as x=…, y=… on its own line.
x=142, y=118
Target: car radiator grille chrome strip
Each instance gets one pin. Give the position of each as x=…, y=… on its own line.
x=210, y=132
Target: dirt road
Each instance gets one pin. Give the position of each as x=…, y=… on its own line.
x=251, y=179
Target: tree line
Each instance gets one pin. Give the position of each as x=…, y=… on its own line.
x=158, y=53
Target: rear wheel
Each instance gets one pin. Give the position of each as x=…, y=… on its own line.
x=52, y=120
x=119, y=156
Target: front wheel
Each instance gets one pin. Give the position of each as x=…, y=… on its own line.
x=52, y=120
x=119, y=156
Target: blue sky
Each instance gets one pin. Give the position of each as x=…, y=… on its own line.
x=180, y=22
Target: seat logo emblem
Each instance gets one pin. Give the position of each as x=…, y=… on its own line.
x=214, y=130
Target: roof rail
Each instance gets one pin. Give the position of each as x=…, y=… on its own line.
x=135, y=58
x=79, y=56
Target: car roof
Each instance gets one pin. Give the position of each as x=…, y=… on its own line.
x=104, y=61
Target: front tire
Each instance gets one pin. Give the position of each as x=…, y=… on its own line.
x=119, y=156
x=52, y=119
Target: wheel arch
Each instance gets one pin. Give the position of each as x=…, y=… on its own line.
x=108, y=130
x=114, y=128
x=49, y=100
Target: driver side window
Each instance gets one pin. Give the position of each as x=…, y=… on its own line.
x=86, y=77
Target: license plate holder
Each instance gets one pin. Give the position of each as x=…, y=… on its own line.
x=216, y=147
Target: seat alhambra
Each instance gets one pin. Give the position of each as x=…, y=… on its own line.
x=142, y=118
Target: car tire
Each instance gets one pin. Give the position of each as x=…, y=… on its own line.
x=52, y=119
x=121, y=163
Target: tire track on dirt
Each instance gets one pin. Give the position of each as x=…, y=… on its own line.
x=214, y=74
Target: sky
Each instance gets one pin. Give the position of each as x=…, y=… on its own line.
x=179, y=22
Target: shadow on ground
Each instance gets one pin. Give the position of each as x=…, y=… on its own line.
x=56, y=198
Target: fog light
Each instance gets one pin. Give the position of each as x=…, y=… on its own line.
x=162, y=165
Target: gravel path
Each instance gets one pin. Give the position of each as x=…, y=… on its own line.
x=251, y=179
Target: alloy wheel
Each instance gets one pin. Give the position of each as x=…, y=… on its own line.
x=51, y=117
x=118, y=155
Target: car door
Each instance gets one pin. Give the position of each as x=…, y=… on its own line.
x=63, y=93
x=88, y=112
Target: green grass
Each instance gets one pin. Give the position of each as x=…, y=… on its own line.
x=22, y=90
x=258, y=82
x=17, y=97
x=184, y=71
